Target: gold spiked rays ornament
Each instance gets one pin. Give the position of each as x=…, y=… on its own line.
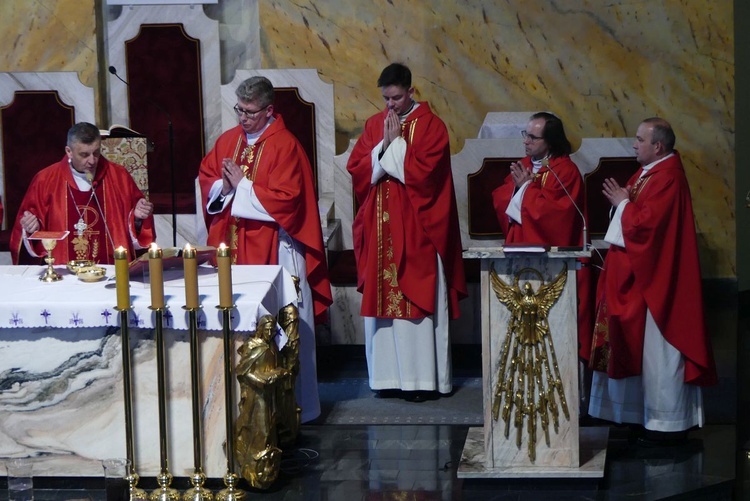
x=528, y=379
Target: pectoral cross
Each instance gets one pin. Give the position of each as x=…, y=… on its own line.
x=80, y=226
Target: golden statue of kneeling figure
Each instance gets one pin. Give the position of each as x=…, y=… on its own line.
x=259, y=375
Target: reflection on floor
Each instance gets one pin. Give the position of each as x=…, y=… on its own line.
x=418, y=462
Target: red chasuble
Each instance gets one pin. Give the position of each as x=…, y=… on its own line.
x=548, y=214
x=658, y=269
x=282, y=181
x=54, y=198
x=550, y=218
x=399, y=227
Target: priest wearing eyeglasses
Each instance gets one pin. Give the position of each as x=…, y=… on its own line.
x=259, y=199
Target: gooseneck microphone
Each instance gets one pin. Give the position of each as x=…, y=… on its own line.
x=170, y=130
x=545, y=163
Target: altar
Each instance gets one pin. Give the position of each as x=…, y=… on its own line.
x=61, y=393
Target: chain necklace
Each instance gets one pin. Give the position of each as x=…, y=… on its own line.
x=81, y=225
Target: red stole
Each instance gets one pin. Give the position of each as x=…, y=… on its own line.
x=243, y=234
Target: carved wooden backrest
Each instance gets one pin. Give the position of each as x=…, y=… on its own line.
x=299, y=118
x=165, y=86
x=618, y=168
x=34, y=127
x=483, y=221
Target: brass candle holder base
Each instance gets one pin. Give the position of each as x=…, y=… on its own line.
x=164, y=492
x=136, y=493
x=231, y=493
x=198, y=492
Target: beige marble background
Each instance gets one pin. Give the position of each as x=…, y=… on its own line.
x=602, y=66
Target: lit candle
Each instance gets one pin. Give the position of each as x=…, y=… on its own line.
x=156, y=276
x=190, y=265
x=224, y=261
x=122, y=279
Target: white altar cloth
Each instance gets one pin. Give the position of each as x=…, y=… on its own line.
x=61, y=393
x=25, y=301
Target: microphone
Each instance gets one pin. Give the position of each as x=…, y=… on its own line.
x=113, y=70
x=90, y=179
x=170, y=130
x=545, y=163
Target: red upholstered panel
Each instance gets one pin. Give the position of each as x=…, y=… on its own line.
x=299, y=117
x=482, y=216
x=597, y=204
x=164, y=73
x=34, y=130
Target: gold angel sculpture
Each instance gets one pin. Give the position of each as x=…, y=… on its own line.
x=528, y=377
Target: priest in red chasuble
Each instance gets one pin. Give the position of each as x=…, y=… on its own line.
x=651, y=351
x=96, y=200
x=539, y=203
x=259, y=199
x=407, y=242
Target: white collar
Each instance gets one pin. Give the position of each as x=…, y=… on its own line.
x=653, y=164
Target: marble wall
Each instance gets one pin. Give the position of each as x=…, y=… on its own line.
x=601, y=66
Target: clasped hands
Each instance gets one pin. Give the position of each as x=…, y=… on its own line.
x=614, y=192
x=520, y=174
x=391, y=128
x=231, y=175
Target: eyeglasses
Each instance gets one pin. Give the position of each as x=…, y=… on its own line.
x=530, y=137
x=250, y=115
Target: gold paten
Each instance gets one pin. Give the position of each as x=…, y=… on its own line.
x=75, y=265
x=526, y=383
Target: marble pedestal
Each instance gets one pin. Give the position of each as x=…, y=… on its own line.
x=488, y=451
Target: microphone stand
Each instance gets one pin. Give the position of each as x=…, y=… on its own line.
x=170, y=130
x=170, y=133
x=545, y=163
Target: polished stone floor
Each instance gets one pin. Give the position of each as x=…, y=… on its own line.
x=419, y=461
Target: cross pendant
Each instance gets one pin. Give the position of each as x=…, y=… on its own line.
x=80, y=226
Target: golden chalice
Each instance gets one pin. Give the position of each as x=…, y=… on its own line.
x=50, y=275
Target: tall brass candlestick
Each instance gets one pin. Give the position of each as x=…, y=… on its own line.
x=231, y=493
x=164, y=479
x=198, y=492
x=123, y=305
x=156, y=277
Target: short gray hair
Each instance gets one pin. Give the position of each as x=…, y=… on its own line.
x=258, y=89
x=84, y=133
